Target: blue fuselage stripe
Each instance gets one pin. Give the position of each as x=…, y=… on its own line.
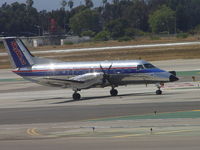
x=84, y=71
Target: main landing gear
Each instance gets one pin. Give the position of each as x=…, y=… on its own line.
x=158, y=92
x=113, y=92
x=76, y=96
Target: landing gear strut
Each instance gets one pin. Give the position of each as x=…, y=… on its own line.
x=76, y=96
x=113, y=92
x=159, y=91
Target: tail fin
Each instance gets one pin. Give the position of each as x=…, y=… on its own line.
x=20, y=56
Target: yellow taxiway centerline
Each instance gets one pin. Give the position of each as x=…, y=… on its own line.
x=195, y=110
x=32, y=132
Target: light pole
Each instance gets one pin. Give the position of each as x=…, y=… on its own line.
x=39, y=29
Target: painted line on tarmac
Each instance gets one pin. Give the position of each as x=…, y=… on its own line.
x=159, y=115
x=33, y=132
x=152, y=133
x=12, y=80
x=181, y=88
x=189, y=73
x=171, y=132
x=129, y=135
x=181, y=84
x=195, y=110
x=111, y=48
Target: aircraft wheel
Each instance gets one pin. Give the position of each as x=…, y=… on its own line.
x=76, y=96
x=158, y=92
x=113, y=92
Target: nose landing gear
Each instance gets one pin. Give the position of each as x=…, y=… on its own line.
x=159, y=91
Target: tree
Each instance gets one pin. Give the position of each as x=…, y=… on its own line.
x=61, y=18
x=162, y=20
x=29, y=3
x=116, y=2
x=89, y=3
x=187, y=13
x=104, y=2
x=116, y=28
x=70, y=4
x=136, y=13
x=117, y=17
x=155, y=4
x=44, y=21
x=63, y=4
x=77, y=10
x=84, y=21
x=15, y=19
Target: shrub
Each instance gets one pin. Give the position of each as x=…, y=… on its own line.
x=102, y=36
x=124, y=38
x=130, y=32
x=1, y=45
x=139, y=32
x=196, y=30
x=88, y=33
x=68, y=43
x=182, y=35
x=154, y=37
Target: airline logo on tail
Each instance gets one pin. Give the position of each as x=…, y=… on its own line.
x=18, y=52
x=20, y=57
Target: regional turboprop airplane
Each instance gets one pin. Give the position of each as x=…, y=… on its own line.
x=83, y=75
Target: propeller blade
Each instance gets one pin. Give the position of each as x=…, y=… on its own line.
x=110, y=67
x=102, y=69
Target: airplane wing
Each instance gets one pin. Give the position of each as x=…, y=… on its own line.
x=64, y=80
x=86, y=79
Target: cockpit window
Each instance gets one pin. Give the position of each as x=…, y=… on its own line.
x=149, y=66
x=140, y=67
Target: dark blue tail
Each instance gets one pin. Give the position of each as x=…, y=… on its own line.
x=19, y=55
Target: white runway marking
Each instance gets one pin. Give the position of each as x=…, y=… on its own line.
x=111, y=48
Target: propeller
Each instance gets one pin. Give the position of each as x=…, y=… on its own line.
x=106, y=76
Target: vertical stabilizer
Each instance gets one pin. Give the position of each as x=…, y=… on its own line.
x=20, y=56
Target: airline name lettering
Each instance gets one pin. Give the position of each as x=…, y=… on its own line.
x=18, y=53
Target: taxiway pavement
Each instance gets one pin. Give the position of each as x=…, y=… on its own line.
x=136, y=119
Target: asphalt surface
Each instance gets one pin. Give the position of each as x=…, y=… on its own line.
x=144, y=143
x=81, y=113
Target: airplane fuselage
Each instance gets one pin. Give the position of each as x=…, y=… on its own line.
x=121, y=72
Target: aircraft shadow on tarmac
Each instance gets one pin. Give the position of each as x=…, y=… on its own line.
x=97, y=97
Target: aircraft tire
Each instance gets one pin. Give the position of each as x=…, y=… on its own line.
x=113, y=92
x=158, y=92
x=76, y=96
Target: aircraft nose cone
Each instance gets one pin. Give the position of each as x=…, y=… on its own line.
x=173, y=78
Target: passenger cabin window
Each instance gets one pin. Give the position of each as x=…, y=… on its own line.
x=149, y=66
x=140, y=67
